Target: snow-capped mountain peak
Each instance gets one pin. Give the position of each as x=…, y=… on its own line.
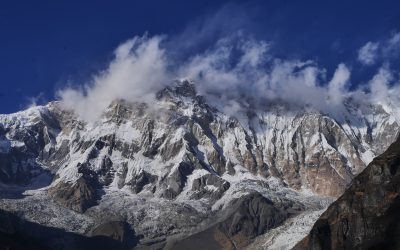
x=183, y=154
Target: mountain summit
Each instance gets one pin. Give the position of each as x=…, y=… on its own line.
x=182, y=168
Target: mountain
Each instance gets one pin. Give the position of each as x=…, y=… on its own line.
x=367, y=215
x=181, y=168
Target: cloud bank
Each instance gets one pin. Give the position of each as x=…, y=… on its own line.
x=236, y=73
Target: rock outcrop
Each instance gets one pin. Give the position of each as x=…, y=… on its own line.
x=247, y=217
x=367, y=215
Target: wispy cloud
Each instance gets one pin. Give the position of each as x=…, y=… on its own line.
x=233, y=72
x=241, y=73
x=368, y=53
x=197, y=35
x=384, y=50
x=33, y=101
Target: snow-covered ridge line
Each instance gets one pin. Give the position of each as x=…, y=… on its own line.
x=191, y=158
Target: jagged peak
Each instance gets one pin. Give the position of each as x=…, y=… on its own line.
x=179, y=88
x=185, y=88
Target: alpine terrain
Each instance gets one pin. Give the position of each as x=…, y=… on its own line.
x=181, y=174
x=367, y=215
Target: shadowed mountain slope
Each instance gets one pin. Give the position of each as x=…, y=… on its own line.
x=367, y=215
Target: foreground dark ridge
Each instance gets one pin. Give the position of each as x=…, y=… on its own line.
x=19, y=234
x=367, y=215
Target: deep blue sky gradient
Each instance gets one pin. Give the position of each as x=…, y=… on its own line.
x=44, y=44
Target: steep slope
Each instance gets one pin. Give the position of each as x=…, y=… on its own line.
x=367, y=215
x=249, y=216
x=174, y=169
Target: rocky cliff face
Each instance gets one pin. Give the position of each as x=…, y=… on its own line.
x=181, y=159
x=367, y=215
x=249, y=216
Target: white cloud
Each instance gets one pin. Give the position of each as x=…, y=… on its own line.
x=263, y=80
x=394, y=41
x=33, y=101
x=136, y=73
x=234, y=74
x=337, y=86
x=385, y=50
x=368, y=53
x=379, y=86
x=392, y=46
x=384, y=89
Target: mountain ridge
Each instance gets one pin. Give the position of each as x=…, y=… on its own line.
x=181, y=154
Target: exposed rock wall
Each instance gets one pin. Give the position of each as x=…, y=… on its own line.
x=367, y=215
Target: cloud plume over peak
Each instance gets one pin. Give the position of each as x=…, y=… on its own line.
x=136, y=72
x=235, y=73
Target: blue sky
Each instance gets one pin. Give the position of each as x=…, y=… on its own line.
x=48, y=45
